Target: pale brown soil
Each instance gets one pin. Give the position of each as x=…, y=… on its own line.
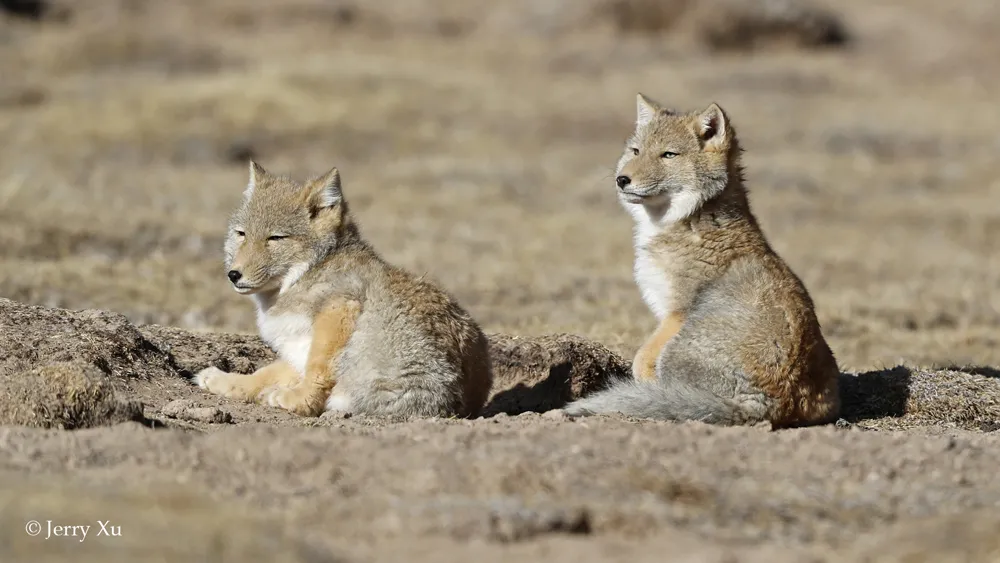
x=476, y=141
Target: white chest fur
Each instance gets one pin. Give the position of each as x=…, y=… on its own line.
x=290, y=335
x=654, y=283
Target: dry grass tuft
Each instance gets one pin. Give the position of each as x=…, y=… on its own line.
x=64, y=395
x=902, y=397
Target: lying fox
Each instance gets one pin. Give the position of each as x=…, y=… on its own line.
x=354, y=334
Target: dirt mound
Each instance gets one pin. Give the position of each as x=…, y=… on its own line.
x=92, y=367
x=901, y=398
x=78, y=362
x=33, y=336
x=194, y=351
x=66, y=395
x=539, y=374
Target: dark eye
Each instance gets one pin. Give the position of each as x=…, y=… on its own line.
x=240, y=234
x=635, y=151
x=668, y=154
x=277, y=237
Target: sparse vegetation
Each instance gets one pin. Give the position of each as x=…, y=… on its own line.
x=481, y=138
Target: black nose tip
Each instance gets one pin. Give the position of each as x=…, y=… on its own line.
x=234, y=275
x=623, y=181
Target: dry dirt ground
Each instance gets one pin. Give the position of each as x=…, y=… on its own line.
x=476, y=141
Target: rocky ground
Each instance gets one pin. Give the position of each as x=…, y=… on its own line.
x=476, y=141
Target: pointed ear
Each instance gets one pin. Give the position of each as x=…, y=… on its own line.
x=713, y=126
x=325, y=192
x=646, y=110
x=257, y=172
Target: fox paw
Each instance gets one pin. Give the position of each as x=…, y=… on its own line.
x=297, y=400
x=204, y=377
x=232, y=385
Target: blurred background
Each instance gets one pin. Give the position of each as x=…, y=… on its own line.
x=477, y=138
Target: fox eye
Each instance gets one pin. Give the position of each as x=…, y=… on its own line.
x=277, y=237
x=635, y=151
x=240, y=234
x=668, y=154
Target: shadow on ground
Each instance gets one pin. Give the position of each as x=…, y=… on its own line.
x=875, y=394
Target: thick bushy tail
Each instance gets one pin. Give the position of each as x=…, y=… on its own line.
x=664, y=400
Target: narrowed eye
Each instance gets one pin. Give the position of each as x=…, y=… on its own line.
x=240, y=234
x=277, y=237
x=635, y=151
x=668, y=154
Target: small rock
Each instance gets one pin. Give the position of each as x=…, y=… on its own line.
x=555, y=414
x=208, y=414
x=185, y=410
x=174, y=409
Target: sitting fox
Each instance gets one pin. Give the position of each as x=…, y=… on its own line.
x=354, y=334
x=738, y=341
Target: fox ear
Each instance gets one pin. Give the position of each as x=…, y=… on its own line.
x=713, y=126
x=325, y=190
x=256, y=173
x=646, y=110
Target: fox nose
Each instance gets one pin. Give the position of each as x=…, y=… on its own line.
x=234, y=275
x=623, y=181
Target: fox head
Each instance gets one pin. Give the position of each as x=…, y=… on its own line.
x=675, y=162
x=283, y=228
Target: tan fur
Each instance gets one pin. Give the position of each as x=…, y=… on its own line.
x=248, y=387
x=738, y=340
x=644, y=364
x=360, y=335
x=332, y=329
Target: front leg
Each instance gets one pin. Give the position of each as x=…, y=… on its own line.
x=332, y=329
x=644, y=364
x=247, y=387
